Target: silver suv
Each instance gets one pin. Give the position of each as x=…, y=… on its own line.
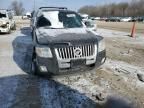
x=7, y=22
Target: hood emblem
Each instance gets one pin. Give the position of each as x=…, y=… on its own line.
x=78, y=52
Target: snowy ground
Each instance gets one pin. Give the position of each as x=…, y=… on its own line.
x=114, y=85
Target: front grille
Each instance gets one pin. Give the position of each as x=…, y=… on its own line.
x=76, y=52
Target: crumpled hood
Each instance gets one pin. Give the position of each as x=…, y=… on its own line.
x=72, y=35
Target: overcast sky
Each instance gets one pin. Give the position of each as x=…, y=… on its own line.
x=71, y=4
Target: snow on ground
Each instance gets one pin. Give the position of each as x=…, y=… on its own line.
x=92, y=89
x=8, y=68
x=126, y=70
x=48, y=92
x=114, y=33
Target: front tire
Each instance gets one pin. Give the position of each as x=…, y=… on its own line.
x=35, y=70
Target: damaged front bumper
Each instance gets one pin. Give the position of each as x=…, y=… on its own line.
x=58, y=67
x=4, y=30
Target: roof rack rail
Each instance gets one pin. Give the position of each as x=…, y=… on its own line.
x=7, y=9
x=62, y=8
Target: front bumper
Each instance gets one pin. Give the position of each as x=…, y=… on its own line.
x=52, y=64
x=4, y=30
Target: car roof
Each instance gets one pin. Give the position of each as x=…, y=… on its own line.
x=51, y=8
x=42, y=9
x=59, y=10
x=56, y=8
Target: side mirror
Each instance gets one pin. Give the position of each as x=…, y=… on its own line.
x=89, y=24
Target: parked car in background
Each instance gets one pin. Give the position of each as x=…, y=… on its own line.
x=7, y=22
x=140, y=19
x=133, y=19
x=89, y=23
x=95, y=18
x=103, y=18
x=62, y=43
x=26, y=16
x=113, y=19
x=84, y=16
x=126, y=19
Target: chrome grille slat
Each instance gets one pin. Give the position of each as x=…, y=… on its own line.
x=88, y=50
x=66, y=54
x=85, y=51
x=73, y=51
x=69, y=52
x=83, y=54
x=62, y=52
x=59, y=52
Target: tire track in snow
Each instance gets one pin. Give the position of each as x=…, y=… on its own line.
x=48, y=93
x=55, y=94
x=70, y=96
x=8, y=86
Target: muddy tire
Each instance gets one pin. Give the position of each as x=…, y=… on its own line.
x=34, y=69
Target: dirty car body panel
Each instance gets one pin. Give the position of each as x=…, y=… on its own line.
x=67, y=49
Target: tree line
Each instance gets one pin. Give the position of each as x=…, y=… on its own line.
x=133, y=8
x=17, y=7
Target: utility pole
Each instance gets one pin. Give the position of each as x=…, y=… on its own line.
x=34, y=4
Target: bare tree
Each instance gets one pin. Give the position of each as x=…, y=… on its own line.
x=17, y=7
x=133, y=8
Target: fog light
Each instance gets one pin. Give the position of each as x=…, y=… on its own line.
x=43, y=68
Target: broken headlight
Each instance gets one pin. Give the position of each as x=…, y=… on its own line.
x=44, y=52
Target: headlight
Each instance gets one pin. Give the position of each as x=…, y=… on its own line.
x=101, y=45
x=4, y=25
x=44, y=52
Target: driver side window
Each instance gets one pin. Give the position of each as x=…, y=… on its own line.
x=42, y=22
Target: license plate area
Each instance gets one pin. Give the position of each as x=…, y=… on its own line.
x=78, y=63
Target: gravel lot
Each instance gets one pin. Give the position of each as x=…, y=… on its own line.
x=115, y=85
x=121, y=26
